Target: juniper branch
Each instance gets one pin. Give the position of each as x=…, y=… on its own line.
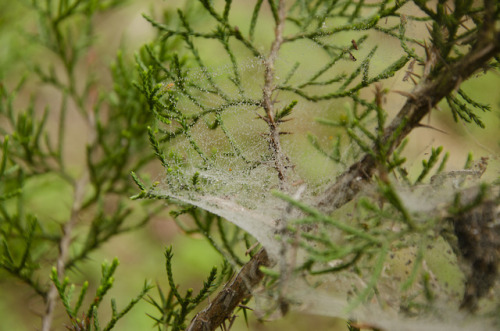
x=222, y=307
x=424, y=98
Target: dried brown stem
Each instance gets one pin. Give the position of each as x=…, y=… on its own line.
x=280, y=159
x=67, y=230
x=221, y=308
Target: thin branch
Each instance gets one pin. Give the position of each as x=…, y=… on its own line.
x=67, y=230
x=280, y=159
x=222, y=307
x=64, y=244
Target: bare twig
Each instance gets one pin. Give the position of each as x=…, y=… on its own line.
x=280, y=159
x=67, y=229
x=221, y=308
x=64, y=244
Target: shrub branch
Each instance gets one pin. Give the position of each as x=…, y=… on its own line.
x=419, y=103
x=64, y=246
x=280, y=159
x=228, y=299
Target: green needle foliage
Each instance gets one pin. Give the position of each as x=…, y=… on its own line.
x=38, y=149
x=222, y=100
x=173, y=307
x=89, y=320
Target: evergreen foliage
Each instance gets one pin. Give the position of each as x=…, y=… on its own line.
x=172, y=106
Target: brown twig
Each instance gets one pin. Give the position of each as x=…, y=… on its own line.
x=221, y=308
x=67, y=230
x=280, y=159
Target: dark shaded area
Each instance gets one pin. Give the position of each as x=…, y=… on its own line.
x=479, y=243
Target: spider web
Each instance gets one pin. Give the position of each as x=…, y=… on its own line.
x=233, y=163
x=224, y=150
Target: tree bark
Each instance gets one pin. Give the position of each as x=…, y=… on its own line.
x=240, y=288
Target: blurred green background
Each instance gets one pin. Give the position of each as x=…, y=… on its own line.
x=141, y=253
